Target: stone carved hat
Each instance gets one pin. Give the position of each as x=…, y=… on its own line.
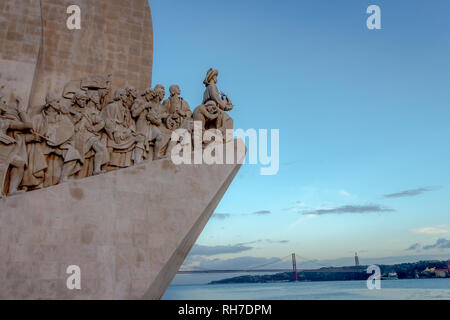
x=96, y=82
x=210, y=75
x=71, y=88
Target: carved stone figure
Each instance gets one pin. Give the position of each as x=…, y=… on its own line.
x=94, y=99
x=2, y=93
x=81, y=134
x=212, y=92
x=176, y=104
x=52, y=157
x=88, y=126
x=14, y=121
x=121, y=131
x=160, y=93
x=98, y=84
x=163, y=114
x=221, y=99
x=132, y=95
x=209, y=115
x=147, y=126
x=181, y=115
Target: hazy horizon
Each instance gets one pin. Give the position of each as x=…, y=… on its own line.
x=363, y=118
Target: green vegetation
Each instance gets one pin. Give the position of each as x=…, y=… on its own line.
x=403, y=270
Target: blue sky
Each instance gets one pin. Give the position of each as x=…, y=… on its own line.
x=362, y=114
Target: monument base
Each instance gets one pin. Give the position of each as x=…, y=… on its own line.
x=129, y=231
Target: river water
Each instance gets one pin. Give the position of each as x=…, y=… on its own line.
x=421, y=289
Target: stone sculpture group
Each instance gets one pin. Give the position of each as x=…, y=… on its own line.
x=84, y=133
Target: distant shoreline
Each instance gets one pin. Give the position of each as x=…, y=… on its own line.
x=417, y=270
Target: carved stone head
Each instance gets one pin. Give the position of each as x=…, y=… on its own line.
x=94, y=96
x=211, y=107
x=160, y=91
x=174, y=90
x=80, y=98
x=149, y=94
x=173, y=122
x=120, y=95
x=52, y=102
x=132, y=92
x=4, y=97
x=211, y=77
x=3, y=104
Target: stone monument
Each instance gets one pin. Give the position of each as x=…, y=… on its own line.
x=86, y=177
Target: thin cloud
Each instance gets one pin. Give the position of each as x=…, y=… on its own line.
x=245, y=262
x=410, y=193
x=262, y=212
x=275, y=241
x=440, y=244
x=199, y=250
x=298, y=205
x=262, y=241
x=414, y=247
x=350, y=209
x=221, y=216
x=431, y=230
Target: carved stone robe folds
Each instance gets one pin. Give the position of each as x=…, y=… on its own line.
x=45, y=162
x=212, y=94
x=12, y=147
x=146, y=124
x=178, y=105
x=121, y=130
x=88, y=132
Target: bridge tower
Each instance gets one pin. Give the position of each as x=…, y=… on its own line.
x=294, y=267
x=356, y=259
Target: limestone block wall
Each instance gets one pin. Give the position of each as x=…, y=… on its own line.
x=38, y=53
x=20, y=40
x=116, y=37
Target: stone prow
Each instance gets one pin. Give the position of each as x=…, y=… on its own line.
x=162, y=281
x=129, y=231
